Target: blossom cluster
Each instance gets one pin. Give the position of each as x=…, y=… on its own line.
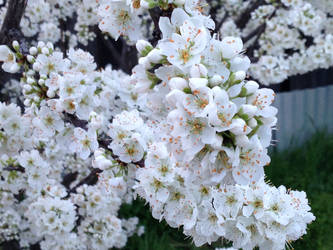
x=213, y=141
x=187, y=131
x=285, y=38
x=66, y=106
x=294, y=35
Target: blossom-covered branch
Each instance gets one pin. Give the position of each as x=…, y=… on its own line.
x=186, y=130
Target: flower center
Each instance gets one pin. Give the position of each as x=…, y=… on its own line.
x=184, y=55
x=10, y=58
x=196, y=126
x=123, y=16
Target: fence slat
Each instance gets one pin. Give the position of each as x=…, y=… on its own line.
x=301, y=113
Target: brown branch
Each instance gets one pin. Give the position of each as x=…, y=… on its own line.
x=10, y=29
x=64, y=41
x=250, y=50
x=220, y=23
x=75, y=121
x=15, y=168
x=91, y=179
x=110, y=46
x=155, y=14
x=258, y=31
x=245, y=16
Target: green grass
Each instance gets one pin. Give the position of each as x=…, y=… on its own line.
x=308, y=168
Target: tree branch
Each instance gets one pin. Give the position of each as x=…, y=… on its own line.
x=15, y=168
x=243, y=19
x=91, y=179
x=258, y=31
x=155, y=15
x=220, y=23
x=10, y=29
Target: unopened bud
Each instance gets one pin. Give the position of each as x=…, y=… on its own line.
x=251, y=87
x=143, y=47
x=33, y=51
x=50, y=45
x=50, y=93
x=198, y=71
x=41, y=44
x=178, y=83
x=252, y=123
x=27, y=87
x=242, y=140
x=249, y=110
x=155, y=56
x=45, y=51
x=16, y=45
x=144, y=61
x=215, y=80
x=30, y=59
x=198, y=82
x=240, y=75
x=27, y=102
x=30, y=80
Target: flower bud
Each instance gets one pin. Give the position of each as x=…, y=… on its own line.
x=45, y=51
x=240, y=75
x=178, y=83
x=144, y=61
x=251, y=87
x=99, y=151
x=198, y=71
x=101, y=162
x=239, y=127
x=41, y=44
x=174, y=95
x=50, y=45
x=27, y=87
x=33, y=51
x=50, y=93
x=197, y=83
x=26, y=102
x=36, y=66
x=215, y=80
x=252, y=123
x=30, y=72
x=155, y=56
x=14, y=68
x=143, y=47
x=242, y=141
x=43, y=76
x=249, y=110
x=30, y=59
x=36, y=98
x=96, y=120
x=30, y=80
x=16, y=45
